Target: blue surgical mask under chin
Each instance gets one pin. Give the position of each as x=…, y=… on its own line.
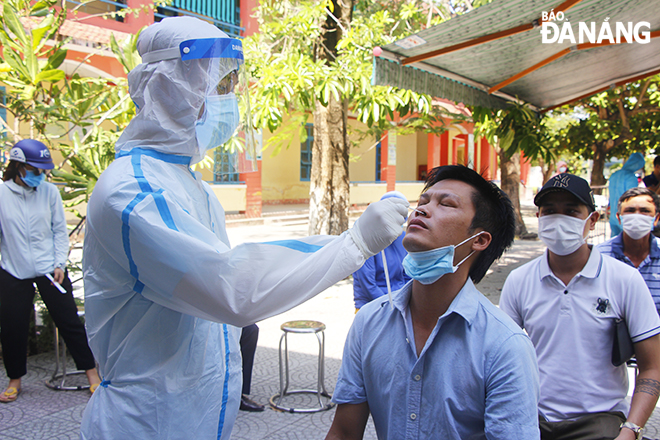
x=218, y=123
x=428, y=266
x=33, y=180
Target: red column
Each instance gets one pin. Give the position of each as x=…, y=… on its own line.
x=525, y=165
x=444, y=148
x=253, y=192
x=248, y=20
x=433, y=154
x=485, y=159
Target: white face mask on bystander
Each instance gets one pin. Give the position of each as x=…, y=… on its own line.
x=562, y=234
x=637, y=226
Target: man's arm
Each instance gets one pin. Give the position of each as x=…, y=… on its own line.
x=349, y=422
x=647, y=384
x=512, y=392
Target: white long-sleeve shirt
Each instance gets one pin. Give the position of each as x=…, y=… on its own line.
x=33, y=235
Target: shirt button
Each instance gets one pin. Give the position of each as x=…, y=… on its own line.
x=418, y=377
x=565, y=292
x=413, y=416
x=407, y=341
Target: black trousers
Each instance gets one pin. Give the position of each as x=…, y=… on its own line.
x=16, y=298
x=596, y=426
x=249, y=337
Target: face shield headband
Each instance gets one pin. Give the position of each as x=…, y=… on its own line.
x=225, y=117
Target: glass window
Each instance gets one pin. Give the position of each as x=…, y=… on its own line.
x=226, y=167
x=306, y=154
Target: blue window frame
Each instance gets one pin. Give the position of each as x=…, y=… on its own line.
x=225, y=14
x=378, y=159
x=306, y=154
x=225, y=168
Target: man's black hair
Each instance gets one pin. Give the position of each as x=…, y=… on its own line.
x=493, y=213
x=656, y=161
x=636, y=192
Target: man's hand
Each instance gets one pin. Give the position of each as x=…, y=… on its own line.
x=58, y=275
x=626, y=434
x=379, y=225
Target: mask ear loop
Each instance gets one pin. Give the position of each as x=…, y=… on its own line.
x=470, y=254
x=387, y=279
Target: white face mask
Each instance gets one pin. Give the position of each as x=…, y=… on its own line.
x=637, y=225
x=562, y=234
x=218, y=123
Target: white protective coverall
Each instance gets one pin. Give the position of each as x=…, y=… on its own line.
x=165, y=295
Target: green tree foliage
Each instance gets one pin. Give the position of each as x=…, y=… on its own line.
x=616, y=123
x=30, y=63
x=310, y=54
x=80, y=117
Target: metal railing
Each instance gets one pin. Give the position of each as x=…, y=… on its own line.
x=170, y=11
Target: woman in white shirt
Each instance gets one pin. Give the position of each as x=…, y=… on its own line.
x=34, y=245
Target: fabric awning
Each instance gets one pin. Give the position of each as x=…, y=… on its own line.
x=496, y=53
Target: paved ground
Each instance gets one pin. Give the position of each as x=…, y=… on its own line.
x=41, y=413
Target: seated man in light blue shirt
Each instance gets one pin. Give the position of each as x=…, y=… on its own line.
x=442, y=362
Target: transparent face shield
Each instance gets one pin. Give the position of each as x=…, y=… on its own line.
x=224, y=118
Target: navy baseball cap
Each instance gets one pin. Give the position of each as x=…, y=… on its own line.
x=570, y=183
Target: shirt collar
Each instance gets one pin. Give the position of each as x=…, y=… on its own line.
x=465, y=304
x=617, y=246
x=590, y=270
x=655, y=249
x=15, y=187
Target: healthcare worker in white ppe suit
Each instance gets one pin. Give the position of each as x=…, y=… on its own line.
x=165, y=295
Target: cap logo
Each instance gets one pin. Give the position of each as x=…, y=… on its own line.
x=17, y=154
x=44, y=153
x=562, y=181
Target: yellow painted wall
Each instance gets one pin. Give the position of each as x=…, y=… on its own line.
x=280, y=177
x=232, y=197
x=362, y=165
x=411, y=190
x=406, y=157
x=422, y=150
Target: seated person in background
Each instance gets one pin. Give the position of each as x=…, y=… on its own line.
x=442, y=362
x=369, y=281
x=568, y=300
x=652, y=180
x=620, y=182
x=638, y=211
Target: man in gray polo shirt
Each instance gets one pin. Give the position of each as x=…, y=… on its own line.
x=568, y=300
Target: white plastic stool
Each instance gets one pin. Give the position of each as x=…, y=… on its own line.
x=324, y=402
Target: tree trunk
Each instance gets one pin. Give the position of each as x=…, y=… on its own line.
x=597, y=176
x=329, y=184
x=510, y=175
x=329, y=194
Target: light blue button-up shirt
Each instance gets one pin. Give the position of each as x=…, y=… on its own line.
x=476, y=377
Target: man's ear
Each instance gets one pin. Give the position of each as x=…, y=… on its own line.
x=618, y=217
x=593, y=219
x=482, y=241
